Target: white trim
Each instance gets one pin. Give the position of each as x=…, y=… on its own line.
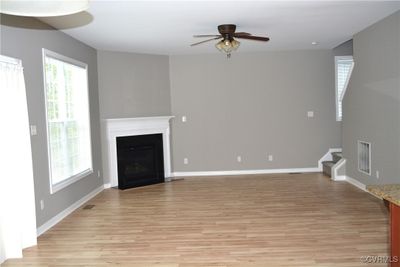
x=243, y=172
x=327, y=156
x=136, y=126
x=57, y=187
x=340, y=178
x=359, y=185
x=64, y=183
x=60, y=216
x=107, y=185
x=356, y=183
x=335, y=168
x=10, y=60
x=63, y=58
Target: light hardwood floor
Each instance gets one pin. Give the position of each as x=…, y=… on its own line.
x=261, y=220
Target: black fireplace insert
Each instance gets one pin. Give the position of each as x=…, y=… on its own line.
x=140, y=160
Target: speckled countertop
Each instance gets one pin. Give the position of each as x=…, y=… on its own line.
x=390, y=192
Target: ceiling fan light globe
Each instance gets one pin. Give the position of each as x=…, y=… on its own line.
x=235, y=44
x=228, y=49
x=220, y=46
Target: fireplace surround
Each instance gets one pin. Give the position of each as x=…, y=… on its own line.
x=125, y=127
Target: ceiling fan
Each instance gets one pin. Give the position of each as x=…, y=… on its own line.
x=228, y=44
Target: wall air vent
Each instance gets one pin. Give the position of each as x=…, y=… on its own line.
x=364, y=157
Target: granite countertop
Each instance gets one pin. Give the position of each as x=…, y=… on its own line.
x=389, y=192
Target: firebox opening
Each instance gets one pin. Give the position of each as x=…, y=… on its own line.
x=140, y=160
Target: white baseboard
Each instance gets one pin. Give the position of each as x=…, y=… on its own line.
x=340, y=178
x=359, y=185
x=356, y=183
x=56, y=219
x=107, y=185
x=327, y=156
x=243, y=172
x=334, y=170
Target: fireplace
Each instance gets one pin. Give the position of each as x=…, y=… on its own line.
x=140, y=160
x=117, y=129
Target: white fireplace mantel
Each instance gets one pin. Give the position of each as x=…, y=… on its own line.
x=136, y=126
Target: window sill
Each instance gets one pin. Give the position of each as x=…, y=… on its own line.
x=57, y=187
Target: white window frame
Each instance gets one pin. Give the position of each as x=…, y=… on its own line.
x=340, y=97
x=57, y=187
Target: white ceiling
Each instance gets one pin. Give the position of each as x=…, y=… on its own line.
x=166, y=27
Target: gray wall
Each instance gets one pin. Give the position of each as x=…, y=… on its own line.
x=344, y=49
x=251, y=105
x=131, y=85
x=24, y=38
x=371, y=106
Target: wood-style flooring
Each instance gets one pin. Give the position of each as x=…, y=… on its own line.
x=259, y=220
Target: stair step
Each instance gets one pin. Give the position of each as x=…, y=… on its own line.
x=339, y=154
x=336, y=156
x=328, y=163
x=327, y=167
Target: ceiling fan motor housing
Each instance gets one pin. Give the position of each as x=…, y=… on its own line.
x=227, y=31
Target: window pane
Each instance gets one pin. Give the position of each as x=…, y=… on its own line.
x=67, y=119
x=343, y=72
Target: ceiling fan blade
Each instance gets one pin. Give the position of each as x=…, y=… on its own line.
x=206, y=35
x=255, y=38
x=241, y=34
x=215, y=38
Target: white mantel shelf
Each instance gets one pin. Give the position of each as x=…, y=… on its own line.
x=136, y=126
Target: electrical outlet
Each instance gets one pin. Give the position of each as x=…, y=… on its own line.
x=33, y=130
x=42, y=204
x=184, y=119
x=239, y=158
x=98, y=174
x=310, y=114
x=270, y=157
x=185, y=161
x=377, y=174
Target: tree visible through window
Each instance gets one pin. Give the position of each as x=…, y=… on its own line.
x=343, y=68
x=68, y=123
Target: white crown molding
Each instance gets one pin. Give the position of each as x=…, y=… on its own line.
x=60, y=216
x=136, y=126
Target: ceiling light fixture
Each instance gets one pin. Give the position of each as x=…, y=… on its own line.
x=314, y=43
x=227, y=43
x=227, y=46
x=43, y=8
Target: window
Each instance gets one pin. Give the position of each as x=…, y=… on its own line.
x=68, y=123
x=343, y=68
